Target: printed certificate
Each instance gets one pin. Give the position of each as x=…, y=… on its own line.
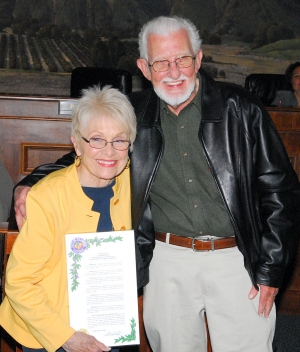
x=102, y=286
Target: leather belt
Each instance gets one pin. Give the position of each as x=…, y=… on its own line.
x=197, y=244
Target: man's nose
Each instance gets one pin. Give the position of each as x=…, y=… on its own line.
x=174, y=71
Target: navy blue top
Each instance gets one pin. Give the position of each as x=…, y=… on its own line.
x=101, y=197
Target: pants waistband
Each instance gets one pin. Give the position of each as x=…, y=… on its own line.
x=197, y=244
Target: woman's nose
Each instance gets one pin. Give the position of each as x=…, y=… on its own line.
x=108, y=149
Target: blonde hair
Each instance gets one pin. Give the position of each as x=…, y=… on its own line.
x=105, y=102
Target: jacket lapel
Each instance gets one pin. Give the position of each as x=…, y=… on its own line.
x=147, y=149
x=211, y=99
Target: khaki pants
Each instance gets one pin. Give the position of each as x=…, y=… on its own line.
x=185, y=284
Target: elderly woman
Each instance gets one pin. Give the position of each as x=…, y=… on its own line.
x=290, y=98
x=35, y=309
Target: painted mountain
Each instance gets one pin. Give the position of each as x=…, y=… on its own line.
x=235, y=17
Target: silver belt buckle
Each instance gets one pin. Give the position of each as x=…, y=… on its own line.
x=212, y=240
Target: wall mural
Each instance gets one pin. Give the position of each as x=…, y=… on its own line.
x=43, y=40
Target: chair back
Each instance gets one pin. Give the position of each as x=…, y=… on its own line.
x=85, y=77
x=265, y=86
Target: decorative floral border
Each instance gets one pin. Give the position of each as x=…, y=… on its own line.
x=129, y=337
x=75, y=266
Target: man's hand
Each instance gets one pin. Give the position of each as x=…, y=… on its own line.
x=81, y=342
x=20, y=199
x=266, y=298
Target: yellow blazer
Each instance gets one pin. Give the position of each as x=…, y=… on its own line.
x=35, y=310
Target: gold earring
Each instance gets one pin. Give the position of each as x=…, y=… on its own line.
x=77, y=160
x=128, y=164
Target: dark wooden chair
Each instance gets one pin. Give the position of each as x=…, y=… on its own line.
x=8, y=344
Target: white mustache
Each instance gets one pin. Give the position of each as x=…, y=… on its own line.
x=171, y=80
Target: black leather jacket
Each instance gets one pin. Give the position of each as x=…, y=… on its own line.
x=251, y=168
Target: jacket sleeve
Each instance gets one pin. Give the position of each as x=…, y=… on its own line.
x=278, y=191
x=35, y=284
x=41, y=171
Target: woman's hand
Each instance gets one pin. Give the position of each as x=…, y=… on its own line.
x=81, y=342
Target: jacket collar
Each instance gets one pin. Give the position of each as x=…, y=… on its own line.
x=211, y=99
x=151, y=113
x=73, y=180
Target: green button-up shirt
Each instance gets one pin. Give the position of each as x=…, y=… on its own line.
x=185, y=199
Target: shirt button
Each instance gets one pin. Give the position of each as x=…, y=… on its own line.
x=116, y=202
x=185, y=154
x=195, y=206
x=190, y=180
x=123, y=228
x=182, y=126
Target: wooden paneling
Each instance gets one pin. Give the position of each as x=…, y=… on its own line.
x=287, y=122
x=33, y=131
x=34, y=154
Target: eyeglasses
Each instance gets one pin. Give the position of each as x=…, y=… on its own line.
x=164, y=65
x=99, y=143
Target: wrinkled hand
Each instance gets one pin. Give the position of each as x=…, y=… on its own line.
x=81, y=342
x=20, y=199
x=266, y=298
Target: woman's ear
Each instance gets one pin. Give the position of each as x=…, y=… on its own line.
x=76, y=146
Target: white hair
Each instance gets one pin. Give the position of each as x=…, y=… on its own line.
x=163, y=25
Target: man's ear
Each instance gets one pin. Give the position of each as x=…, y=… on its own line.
x=142, y=64
x=198, y=60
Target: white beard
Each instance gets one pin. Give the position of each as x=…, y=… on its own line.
x=177, y=100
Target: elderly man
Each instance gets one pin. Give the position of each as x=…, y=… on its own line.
x=225, y=200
